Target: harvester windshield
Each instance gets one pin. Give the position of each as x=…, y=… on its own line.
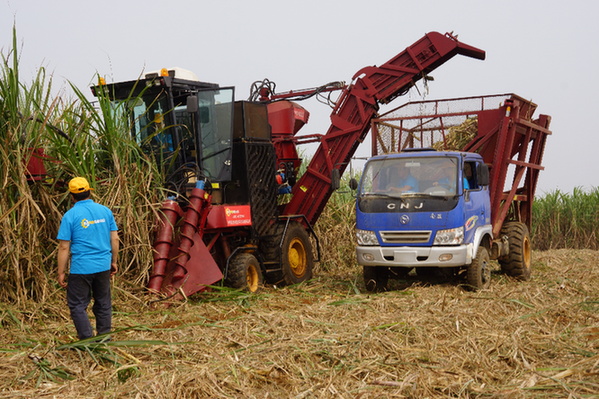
x=186, y=127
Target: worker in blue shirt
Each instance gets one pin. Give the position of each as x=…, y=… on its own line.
x=402, y=180
x=467, y=175
x=88, y=237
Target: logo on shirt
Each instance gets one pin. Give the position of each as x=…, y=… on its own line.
x=86, y=223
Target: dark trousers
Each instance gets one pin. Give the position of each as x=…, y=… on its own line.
x=80, y=290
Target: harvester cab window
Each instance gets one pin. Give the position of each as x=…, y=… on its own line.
x=150, y=125
x=215, y=120
x=147, y=119
x=183, y=128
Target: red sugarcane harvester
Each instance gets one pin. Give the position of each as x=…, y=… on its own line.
x=231, y=165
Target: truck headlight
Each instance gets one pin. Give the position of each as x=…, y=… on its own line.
x=450, y=236
x=366, y=237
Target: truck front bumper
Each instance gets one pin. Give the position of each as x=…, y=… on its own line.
x=436, y=256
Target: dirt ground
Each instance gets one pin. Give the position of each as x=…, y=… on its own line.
x=327, y=338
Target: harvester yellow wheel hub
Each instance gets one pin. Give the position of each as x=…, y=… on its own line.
x=297, y=257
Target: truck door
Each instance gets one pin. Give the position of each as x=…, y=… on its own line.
x=476, y=200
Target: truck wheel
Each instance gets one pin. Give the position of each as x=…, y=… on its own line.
x=297, y=262
x=517, y=263
x=376, y=278
x=244, y=273
x=478, y=274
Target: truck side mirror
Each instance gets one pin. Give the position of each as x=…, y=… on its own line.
x=192, y=104
x=483, y=175
x=353, y=183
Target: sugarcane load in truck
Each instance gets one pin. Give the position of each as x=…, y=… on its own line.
x=450, y=187
x=227, y=163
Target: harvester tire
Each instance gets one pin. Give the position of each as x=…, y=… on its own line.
x=297, y=258
x=376, y=278
x=478, y=273
x=518, y=262
x=244, y=273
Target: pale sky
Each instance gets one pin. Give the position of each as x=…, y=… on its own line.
x=543, y=50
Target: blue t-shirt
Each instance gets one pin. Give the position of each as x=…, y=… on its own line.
x=466, y=184
x=87, y=225
x=409, y=181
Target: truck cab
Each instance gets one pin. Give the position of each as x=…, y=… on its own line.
x=421, y=208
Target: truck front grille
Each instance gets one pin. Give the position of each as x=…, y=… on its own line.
x=406, y=237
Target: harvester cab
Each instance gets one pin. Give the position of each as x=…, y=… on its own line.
x=223, y=175
x=187, y=125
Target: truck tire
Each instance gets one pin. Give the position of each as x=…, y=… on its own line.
x=297, y=258
x=244, y=273
x=517, y=263
x=478, y=273
x=376, y=278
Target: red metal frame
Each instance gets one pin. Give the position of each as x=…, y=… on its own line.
x=516, y=141
x=357, y=105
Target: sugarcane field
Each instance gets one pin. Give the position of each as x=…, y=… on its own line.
x=233, y=263
x=325, y=338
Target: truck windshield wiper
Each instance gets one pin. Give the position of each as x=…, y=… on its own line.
x=384, y=195
x=439, y=196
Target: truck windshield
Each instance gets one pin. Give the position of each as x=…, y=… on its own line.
x=434, y=176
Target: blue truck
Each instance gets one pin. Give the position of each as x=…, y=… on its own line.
x=449, y=188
